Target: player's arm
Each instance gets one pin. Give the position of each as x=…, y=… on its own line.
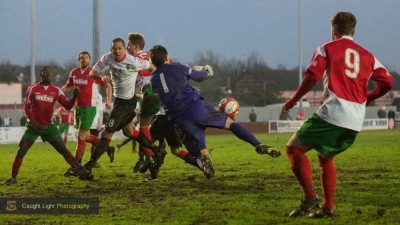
x=199, y=73
x=65, y=88
x=306, y=85
x=384, y=82
x=69, y=84
x=312, y=75
x=108, y=96
x=97, y=75
x=68, y=104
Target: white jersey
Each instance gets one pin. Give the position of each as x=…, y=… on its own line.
x=123, y=74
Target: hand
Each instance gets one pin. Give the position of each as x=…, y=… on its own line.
x=106, y=79
x=284, y=110
x=208, y=69
x=76, y=92
x=35, y=126
x=108, y=105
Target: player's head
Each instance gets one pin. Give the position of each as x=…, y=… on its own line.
x=118, y=49
x=136, y=43
x=343, y=23
x=46, y=75
x=84, y=59
x=158, y=55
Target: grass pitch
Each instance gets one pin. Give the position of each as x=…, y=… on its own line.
x=248, y=188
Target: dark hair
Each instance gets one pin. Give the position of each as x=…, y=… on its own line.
x=158, y=55
x=44, y=68
x=83, y=53
x=136, y=39
x=118, y=40
x=344, y=23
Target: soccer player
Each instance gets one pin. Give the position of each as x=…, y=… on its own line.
x=123, y=68
x=346, y=68
x=150, y=104
x=39, y=104
x=85, y=111
x=186, y=108
x=65, y=121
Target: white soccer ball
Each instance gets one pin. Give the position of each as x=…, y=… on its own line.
x=229, y=106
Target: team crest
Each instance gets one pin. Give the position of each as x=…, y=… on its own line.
x=129, y=66
x=11, y=205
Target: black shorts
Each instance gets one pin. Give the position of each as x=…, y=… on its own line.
x=162, y=129
x=122, y=114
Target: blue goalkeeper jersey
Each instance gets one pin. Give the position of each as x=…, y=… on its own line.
x=170, y=83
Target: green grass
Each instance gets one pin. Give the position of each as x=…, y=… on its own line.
x=248, y=188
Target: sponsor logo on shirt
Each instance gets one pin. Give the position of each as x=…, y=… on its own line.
x=44, y=98
x=81, y=81
x=129, y=66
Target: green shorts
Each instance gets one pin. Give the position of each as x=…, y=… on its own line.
x=84, y=117
x=150, y=104
x=325, y=137
x=48, y=133
x=63, y=128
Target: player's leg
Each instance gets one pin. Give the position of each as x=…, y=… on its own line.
x=328, y=181
x=28, y=138
x=50, y=134
x=242, y=133
x=301, y=168
x=339, y=140
x=85, y=117
x=194, y=141
x=121, y=115
x=24, y=145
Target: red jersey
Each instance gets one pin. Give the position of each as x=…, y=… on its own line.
x=40, y=100
x=346, y=68
x=81, y=79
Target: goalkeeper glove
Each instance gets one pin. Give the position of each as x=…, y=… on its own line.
x=208, y=69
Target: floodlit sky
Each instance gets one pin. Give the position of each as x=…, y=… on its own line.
x=230, y=28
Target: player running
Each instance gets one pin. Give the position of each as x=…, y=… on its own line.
x=39, y=104
x=123, y=68
x=346, y=68
x=186, y=108
x=85, y=110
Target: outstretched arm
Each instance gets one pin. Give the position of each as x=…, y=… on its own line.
x=306, y=85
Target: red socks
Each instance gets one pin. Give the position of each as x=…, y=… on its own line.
x=15, y=167
x=80, y=148
x=302, y=169
x=328, y=181
x=94, y=140
x=146, y=132
x=183, y=154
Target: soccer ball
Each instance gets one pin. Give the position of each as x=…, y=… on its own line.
x=229, y=106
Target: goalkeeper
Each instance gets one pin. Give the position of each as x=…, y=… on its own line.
x=186, y=108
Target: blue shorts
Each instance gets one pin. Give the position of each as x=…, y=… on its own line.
x=195, y=120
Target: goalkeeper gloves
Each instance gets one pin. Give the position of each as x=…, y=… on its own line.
x=208, y=69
